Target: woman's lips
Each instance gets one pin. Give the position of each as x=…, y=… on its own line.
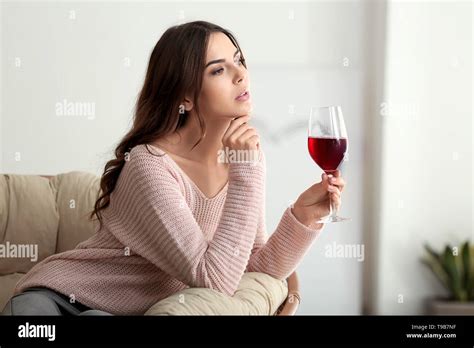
x=244, y=97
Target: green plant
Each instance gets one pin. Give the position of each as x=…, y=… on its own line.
x=454, y=268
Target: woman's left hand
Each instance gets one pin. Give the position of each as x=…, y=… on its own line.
x=313, y=204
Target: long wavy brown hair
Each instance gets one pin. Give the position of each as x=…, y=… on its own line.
x=175, y=69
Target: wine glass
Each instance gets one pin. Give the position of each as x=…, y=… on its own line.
x=327, y=145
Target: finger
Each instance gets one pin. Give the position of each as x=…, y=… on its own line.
x=333, y=189
x=237, y=123
x=316, y=193
x=338, y=181
x=326, y=176
x=234, y=124
x=239, y=131
x=254, y=140
x=325, y=180
x=248, y=134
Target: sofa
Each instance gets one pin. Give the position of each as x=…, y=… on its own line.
x=43, y=215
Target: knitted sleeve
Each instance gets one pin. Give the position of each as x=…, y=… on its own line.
x=280, y=254
x=148, y=214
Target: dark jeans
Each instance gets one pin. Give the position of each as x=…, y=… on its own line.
x=45, y=301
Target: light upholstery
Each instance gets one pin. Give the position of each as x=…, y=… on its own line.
x=51, y=213
x=42, y=213
x=257, y=294
x=29, y=216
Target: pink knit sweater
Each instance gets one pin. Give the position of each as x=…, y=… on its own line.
x=162, y=235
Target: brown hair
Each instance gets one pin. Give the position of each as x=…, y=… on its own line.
x=175, y=68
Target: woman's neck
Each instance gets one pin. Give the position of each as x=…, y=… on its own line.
x=207, y=151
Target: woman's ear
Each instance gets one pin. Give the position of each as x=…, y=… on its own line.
x=188, y=104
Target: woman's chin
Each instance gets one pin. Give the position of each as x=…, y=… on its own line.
x=245, y=109
x=239, y=111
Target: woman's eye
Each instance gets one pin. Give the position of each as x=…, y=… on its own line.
x=216, y=71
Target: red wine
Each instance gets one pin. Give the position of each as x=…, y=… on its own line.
x=327, y=152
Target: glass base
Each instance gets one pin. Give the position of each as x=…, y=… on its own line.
x=333, y=219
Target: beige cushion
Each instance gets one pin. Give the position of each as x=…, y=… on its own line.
x=257, y=294
x=29, y=218
x=77, y=193
x=47, y=215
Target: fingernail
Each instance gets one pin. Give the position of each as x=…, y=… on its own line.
x=333, y=180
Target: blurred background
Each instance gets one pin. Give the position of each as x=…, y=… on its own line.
x=400, y=70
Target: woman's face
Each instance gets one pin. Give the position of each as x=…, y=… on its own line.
x=224, y=79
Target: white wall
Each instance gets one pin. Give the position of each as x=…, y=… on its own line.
x=298, y=54
x=426, y=193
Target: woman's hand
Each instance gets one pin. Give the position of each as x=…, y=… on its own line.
x=240, y=135
x=313, y=203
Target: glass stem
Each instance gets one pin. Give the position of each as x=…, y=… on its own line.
x=332, y=206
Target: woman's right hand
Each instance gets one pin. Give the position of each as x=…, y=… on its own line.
x=240, y=135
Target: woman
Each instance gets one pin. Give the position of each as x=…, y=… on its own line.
x=171, y=213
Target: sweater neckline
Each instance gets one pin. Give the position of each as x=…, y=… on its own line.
x=193, y=184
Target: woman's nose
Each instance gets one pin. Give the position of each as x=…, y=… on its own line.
x=241, y=75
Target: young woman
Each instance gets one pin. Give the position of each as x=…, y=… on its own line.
x=171, y=214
